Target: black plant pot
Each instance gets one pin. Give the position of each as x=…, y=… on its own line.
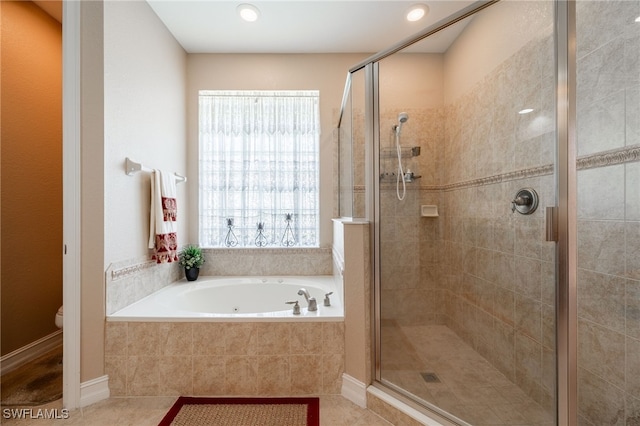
x=191, y=274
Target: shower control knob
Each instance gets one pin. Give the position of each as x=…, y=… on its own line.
x=525, y=202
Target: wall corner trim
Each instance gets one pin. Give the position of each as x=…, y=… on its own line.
x=354, y=390
x=94, y=390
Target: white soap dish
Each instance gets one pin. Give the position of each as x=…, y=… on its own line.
x=427, y=210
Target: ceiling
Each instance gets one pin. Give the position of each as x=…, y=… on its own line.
x=303, y=26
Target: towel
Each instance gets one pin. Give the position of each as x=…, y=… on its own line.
x=163, y=238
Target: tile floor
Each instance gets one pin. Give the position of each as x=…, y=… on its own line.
x=469, y=387
x=148, y=411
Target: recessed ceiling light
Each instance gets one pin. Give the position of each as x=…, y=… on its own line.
x=638, y=19
x=248, y=12
x=417, y=12
x=525, y=111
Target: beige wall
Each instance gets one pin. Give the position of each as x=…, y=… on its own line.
x=130, y=61
x=411, y=80
x=145, y=80
x=92, y=192
x=31, y=173
x=323, y=72
x=153, y=129
x=491, y=38
x=352, y=252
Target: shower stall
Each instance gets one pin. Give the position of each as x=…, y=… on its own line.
x=496, y=157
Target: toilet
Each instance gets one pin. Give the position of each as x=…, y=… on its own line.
x=59, y=318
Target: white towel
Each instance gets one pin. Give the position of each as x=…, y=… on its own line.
x=163, y=225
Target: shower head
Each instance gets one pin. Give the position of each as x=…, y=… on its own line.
x=402, y=118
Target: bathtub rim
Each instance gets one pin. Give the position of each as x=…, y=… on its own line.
x=335, y=313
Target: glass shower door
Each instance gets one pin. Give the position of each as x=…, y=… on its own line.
x=466, y=295
x=608, y=215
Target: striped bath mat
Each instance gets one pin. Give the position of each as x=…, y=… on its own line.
x=195, y=411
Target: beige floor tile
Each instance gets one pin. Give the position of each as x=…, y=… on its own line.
x=469, y=387
x=337, y=411
x=148, y=411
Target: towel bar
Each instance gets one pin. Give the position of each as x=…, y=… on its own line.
x=131, y=168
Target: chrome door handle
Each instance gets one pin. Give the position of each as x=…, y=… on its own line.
x=551, y=223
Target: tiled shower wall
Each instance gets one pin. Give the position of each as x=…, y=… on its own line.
x=482, y=270
x=498, y=271
x=488, y=273
x=608, y=130
x=408, y=253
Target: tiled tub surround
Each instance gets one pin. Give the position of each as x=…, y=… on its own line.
x=131, y=280
x=267, y=261
x=232, y=358
x=224, y=358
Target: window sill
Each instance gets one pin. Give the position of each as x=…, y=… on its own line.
x=267, y=250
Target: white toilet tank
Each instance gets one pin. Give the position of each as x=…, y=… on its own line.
x=59, y=318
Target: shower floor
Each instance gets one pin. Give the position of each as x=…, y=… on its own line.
x=434, y=364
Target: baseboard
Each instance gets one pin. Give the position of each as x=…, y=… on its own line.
x=94, y=390
x=410, y=411
x=28, y=353
x=354, y=390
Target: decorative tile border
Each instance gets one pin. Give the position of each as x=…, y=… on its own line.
x=117, y=274
x=504, y=177
x=600, y=159
x=268, y=250
x=609, y=158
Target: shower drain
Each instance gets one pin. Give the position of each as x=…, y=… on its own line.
x=430, y=377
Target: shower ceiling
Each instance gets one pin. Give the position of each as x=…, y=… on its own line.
x=300, y=26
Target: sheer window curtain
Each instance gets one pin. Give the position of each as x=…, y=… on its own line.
x=258, y=163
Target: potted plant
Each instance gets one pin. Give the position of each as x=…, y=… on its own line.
x=191, y=259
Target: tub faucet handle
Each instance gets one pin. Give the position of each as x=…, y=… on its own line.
x=327, y=302
x=296, y=307
x=313, y=305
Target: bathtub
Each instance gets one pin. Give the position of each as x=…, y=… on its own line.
x=237, y=299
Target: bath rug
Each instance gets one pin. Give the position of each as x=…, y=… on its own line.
x=195, y=411
x=35, y=383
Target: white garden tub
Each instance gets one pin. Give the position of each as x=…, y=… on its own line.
x=237, y=299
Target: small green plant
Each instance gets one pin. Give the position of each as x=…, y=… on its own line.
x=191, y=257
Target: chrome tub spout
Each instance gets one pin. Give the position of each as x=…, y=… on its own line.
x=311, y=301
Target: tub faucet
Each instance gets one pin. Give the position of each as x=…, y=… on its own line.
x=311, y=301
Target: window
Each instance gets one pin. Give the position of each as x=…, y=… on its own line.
x=259, y=168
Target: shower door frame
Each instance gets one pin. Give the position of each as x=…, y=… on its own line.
x=565, y=222
x=567, y=228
